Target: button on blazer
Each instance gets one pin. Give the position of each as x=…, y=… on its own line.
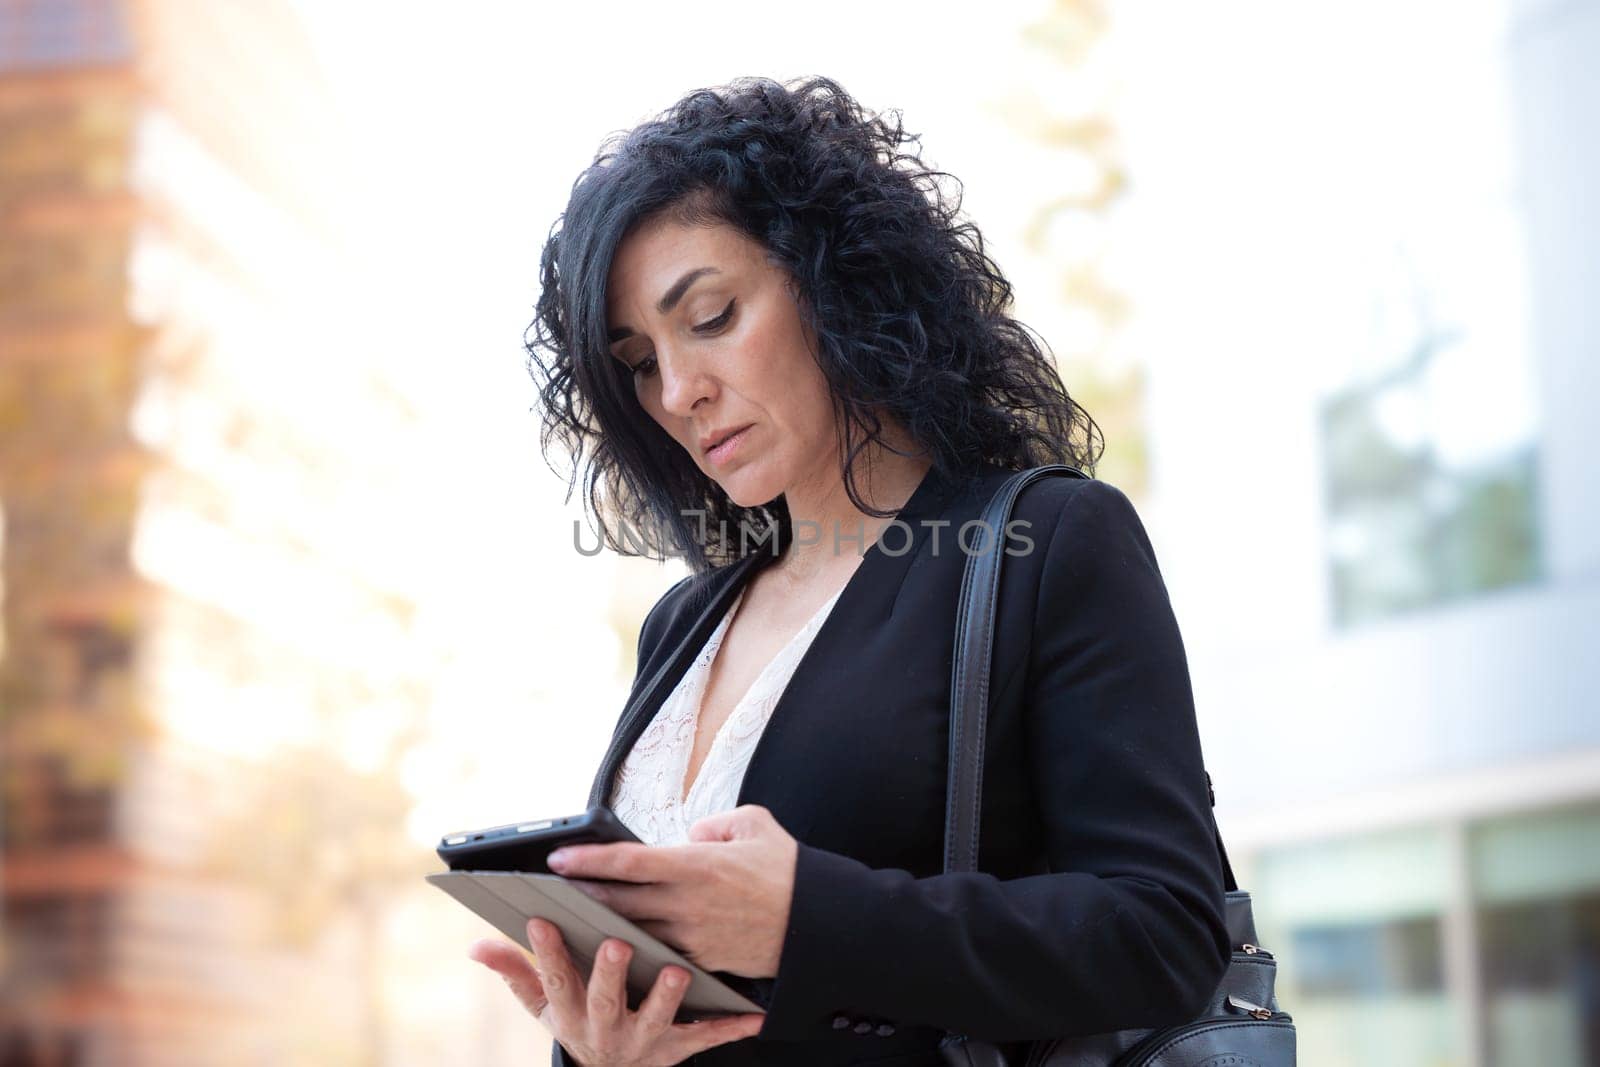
x=1099, y=900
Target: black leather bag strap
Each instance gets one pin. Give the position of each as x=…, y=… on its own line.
x=969, y=683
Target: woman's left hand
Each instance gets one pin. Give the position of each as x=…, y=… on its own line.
x=722, y=900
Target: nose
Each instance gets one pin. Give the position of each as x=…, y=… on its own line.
x=684, y=382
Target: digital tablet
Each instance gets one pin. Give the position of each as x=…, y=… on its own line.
x=508, y=899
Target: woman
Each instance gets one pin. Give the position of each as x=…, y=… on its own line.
x=760, y=309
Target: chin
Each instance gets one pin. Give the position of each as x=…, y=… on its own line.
x=744, y=500
x=746, y=488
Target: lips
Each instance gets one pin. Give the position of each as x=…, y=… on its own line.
x=708, y=443
x=727, y=450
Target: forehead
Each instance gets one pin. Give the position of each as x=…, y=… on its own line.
x=657, y=253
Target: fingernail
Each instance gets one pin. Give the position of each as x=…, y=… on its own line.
x=558, y=859
x=674, y=979
x=614, y=953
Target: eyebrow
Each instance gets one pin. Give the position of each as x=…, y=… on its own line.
x=668, y=301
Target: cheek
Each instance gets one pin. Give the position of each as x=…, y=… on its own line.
x=778, y=355
x=809, y=396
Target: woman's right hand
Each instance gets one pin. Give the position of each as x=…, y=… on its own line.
x=591, y=1019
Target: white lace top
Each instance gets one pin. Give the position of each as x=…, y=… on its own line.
x=647, y=793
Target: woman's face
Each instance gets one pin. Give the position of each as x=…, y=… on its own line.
x=716, y=344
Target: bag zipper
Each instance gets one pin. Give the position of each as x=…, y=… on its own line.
x=1141, y=1052
x=1145, y=1052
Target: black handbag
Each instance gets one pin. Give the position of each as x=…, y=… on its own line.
x=1242, y=1025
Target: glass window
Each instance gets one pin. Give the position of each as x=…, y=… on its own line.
x=1356, y=925
x=1537, y=878
x=62, y=937
x=1428, y=420
x=36, y=34
x=1368, y=958
x=1407, y=525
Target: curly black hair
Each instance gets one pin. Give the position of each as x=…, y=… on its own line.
x=909, y=312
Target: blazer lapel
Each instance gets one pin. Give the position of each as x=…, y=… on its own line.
x=654, y=692
x=867, y=600
x=774, y=779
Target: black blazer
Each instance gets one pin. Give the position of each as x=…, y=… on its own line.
x=1100, y=902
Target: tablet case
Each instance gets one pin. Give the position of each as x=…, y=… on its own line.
x=508, y=900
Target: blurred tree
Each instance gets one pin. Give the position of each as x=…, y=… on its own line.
x=326, y=843
x=1067, y=110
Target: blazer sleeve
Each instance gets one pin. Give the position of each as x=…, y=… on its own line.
x=1128, y=930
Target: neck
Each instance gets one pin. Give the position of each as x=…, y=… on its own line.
x=884, y=480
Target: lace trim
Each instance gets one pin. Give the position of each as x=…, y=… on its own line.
x=647, y=792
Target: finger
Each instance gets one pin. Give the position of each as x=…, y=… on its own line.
x=512, y=965
x=709, y=1033
x=622, y=861
x=660, y=1005
x=746, y=820
x=560, y=979
x=608, y=984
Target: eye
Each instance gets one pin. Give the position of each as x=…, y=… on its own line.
x=646, y=367
x=713, y=325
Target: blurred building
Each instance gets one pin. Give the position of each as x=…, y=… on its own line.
x=1388, y=567
x=197, y=566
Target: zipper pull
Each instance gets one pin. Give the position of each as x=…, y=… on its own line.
x=1256, y=950
x=1253, y=1010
